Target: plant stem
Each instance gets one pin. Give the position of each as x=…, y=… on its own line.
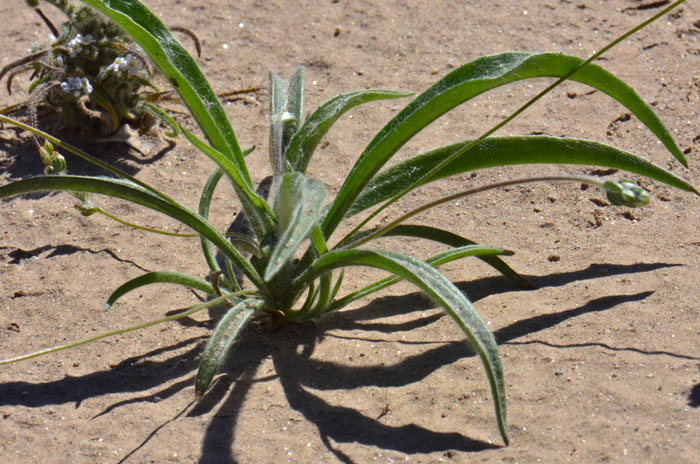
x=558, y=178
x=144, y=228
x=76, y=151
x=192, y=310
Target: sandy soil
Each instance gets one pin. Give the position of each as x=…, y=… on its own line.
x=601, y=358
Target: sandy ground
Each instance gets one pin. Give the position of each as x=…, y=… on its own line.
x=601, y=358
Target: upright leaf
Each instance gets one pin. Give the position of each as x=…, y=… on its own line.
x=295, y=95
x=278, y=108
x=298, y=205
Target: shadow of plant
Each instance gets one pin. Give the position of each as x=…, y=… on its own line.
x=297, y=372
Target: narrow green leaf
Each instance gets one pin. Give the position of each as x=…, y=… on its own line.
x=278, y=106
x=295, y=94
x=466, y=82
x=307, y=138
x=446, y=238
x=257, y=210
x=160, y=277
x=221, y=340
x=204, y=203
x=444, y=293
x=298, y=205
x=127, y=191
x=503, y=151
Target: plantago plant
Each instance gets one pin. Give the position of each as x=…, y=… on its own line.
x=288, y=263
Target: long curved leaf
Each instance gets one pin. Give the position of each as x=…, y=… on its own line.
x=307, y=138
x=221, y=340
x=203, y=209
x=479, y=251
x=298, y=205
x=159, y=277
x=502, y=151
x=133, y=193
x=466, y=82
x=444, y=293
x=187, y=79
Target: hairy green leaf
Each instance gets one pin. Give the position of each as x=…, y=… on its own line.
x=295, y=95
x=298, y=205
x=479, y=251
x=221, y=340
x=307, y=138
x=278, y=107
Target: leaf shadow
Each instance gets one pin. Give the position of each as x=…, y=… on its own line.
x=298, y=373
x=18, y=254
x=134, y=374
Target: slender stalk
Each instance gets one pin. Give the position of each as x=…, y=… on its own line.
x=144, y=228
x=512, y=116
x=558, y=178
x=192, y=310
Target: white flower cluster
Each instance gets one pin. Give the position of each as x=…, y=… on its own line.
x=75, y=45
x=129, y=64
x=76, y=85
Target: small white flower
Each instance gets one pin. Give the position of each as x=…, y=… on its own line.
x=74, y=48
x=85, y=85
x=132, y=64
x=77, y=85
x=117, y=66
x=84, y=40
x=57, y=62
x=75, y=45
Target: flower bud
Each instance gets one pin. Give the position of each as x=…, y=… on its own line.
x=626, y=192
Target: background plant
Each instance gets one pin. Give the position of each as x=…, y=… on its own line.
x=293, y=286
x=90, y=73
